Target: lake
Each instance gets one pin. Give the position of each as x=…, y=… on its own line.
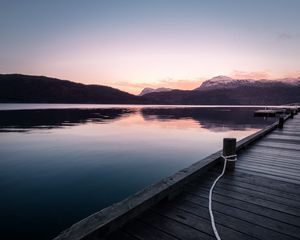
x=61, y=163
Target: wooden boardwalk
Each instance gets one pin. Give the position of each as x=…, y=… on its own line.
x=259, y=200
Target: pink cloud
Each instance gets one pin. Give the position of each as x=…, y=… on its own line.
x=180, y=84
x=136, y=88
x=292, y=74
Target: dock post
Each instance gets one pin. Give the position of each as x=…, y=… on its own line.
x=292, y=113
x=280, y=123
x=229, y=149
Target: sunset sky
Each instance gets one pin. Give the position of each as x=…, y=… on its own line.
x=131, y=44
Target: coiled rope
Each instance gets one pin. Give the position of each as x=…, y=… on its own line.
x=230, y=158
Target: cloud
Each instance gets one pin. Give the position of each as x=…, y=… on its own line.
x=292, y=74
x=135, y=87
x=134, y=84
x=287, y=36
x=250, y=75
x=180, y=84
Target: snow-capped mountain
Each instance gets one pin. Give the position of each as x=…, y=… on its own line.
x=151, y=90
x=229, y=91
x=292, y=81
x=224, y=82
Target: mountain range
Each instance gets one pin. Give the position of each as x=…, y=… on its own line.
x=225, y=90
x=219, y=90
x=224, y=82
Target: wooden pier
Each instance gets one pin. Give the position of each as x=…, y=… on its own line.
x=273, y=112
x=260, y=199
x=266, y=113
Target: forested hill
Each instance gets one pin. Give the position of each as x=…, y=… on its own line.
x=40, y=89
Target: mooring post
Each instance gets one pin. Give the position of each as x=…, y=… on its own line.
x=292, y=113
x=295, y=111
x=229, y=149
x=281, y=122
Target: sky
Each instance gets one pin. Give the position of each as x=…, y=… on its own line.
x=132, y=44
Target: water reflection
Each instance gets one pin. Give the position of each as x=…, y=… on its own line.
x=214, y=119
x=24, y=120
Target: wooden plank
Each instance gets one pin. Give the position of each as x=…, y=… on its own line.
x=282, y=156
x=282, y=140
x=282, y=137
x=292, y=134
x=288, y=146
x=278, y=147
x=144, y=231
x=270, y=171
x=252, y=160
x=172, y=227
x=286, y=132
x=271, y=163
x=291, y=127
x=294, y=129
x=271, y=152
x=284, y=160
x=117, y=235
x=280, y=166
x=270, y=157
x=271, y=176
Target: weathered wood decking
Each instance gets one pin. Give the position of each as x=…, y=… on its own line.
x=259, y=200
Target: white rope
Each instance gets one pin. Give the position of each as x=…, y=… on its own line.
x=212, y=219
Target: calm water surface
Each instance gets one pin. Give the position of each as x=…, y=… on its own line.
x=58, y=166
